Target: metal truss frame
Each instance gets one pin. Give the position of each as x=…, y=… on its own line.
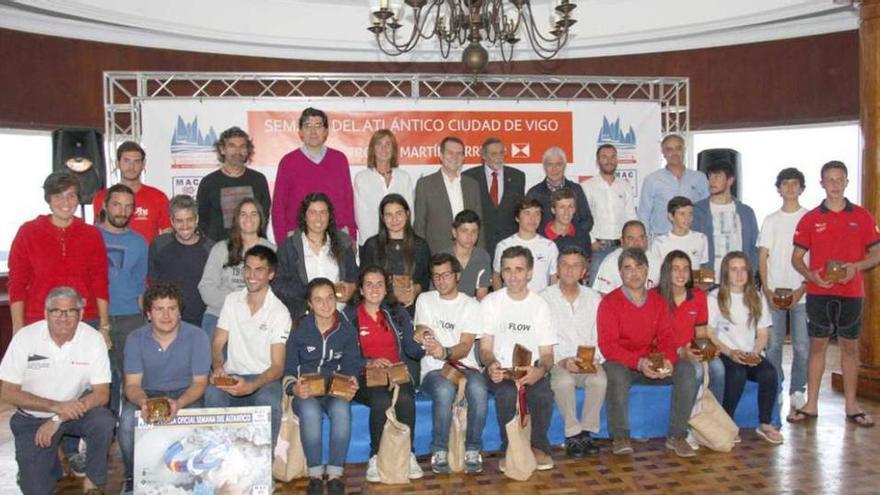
x=125, y=91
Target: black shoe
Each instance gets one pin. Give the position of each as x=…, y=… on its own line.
x=316, y=486
x=573, y=447
x=336, y=487
x=588, y=446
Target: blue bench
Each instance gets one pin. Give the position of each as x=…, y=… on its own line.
x=648, y=418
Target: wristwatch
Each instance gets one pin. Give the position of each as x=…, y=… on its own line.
x=447, y=354
x=56, y=418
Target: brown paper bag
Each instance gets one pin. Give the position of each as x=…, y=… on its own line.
x=289, y=459
x=710, y=423
x=519, y=460
x=458, y=430
x=392, y=460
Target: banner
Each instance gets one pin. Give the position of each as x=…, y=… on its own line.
x=179, y=134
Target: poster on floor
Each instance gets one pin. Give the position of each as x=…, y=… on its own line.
x=205, y=451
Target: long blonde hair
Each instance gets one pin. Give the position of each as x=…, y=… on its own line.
x=751, y=296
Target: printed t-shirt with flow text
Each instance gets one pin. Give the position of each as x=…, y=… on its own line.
x=527, y=322
x=448, y=319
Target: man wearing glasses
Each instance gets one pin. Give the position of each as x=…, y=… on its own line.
x=313, y=167
x=57, y=374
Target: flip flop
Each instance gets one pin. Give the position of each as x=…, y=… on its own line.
x=861, y=418
x=801, y=416
x=772, y=436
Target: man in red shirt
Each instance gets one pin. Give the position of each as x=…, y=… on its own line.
x=634, y=322
x=150, y=216
x=839, y=231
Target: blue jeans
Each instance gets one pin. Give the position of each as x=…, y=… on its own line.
x=120, y=327
x=127, y=424
x=443, y=392
x=539, y=398
x=267, y=395
x=716, y=377
x=39, y=467
x=311, y=416
x=800, y=346
x=209, y=323
x=736, y=375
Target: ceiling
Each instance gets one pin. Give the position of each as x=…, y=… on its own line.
x=336, y=29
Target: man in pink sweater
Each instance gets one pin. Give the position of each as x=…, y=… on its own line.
x=313, y=167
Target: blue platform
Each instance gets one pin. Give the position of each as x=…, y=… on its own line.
x=648, y=418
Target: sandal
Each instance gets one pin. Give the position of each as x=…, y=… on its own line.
x=800, y=416
x=772, y=435
x=861, y=418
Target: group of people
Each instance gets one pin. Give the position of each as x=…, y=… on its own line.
x=188, y=299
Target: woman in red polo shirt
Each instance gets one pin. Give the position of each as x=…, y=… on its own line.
x=690, y=313
x=385, y=332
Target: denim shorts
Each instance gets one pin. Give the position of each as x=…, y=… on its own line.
x=830, y=315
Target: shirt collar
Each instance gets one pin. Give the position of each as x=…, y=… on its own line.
x=317, y=157
x=551, y=234
x=551, y=187
x=847, y=207
x=630, y=298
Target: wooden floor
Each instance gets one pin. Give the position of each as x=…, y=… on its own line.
x=826, y=457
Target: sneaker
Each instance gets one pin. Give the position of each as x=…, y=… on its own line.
x=621, y=446
x=473, y=462
x=574, y=447
x=127, y=487
x=316, y=486
x=680, y=446
x=692, y=440
x=373, y=470
x=501, y=464
x=587, y=445
x=543, y=460
x=77, y=464
x=797, y=400
x=415, y=471
x=440, y=462
x=336, y=486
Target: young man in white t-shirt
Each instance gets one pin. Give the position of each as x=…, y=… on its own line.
x=633, y=235
x=574, y=310
x=454, y=321
x=56, y=372
x=544, y=251
x=253, y=326
x=680, y=212
x=774, y=263
x=517, y=315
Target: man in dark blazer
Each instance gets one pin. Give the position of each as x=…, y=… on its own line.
x=554, y=161
x=498, y=219
x=441, y=195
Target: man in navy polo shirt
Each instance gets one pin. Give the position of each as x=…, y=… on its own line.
x=165, y=358
x=836, y=230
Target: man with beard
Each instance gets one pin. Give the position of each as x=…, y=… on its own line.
x=222, y=190
x=127, y=270
x=179, y=257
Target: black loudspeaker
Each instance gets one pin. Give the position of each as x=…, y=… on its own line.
x=707, y=157
x=81, y=150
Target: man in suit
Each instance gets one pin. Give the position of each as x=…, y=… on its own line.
x=501, y=188
x=441, y=195
x=554, y=161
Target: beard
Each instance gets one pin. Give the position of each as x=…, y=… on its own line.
x=119, y=221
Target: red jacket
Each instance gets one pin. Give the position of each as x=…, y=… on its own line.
x=627, y=332
x=44, y=256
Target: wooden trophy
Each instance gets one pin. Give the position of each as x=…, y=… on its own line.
x=751, y=358
x=522, y=361
x=225, y=381
x=703, y=276
x=398, y=374
x=452, y=374
x=339, y=289
x=402, y=286
x=584, y=358
x=377, y=377
x=705, y=347
x=783, y=298
x=314, y=384
x=158, y=410
x=341, y=386
x=835, y=271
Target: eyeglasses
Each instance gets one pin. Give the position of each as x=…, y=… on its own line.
x=443, y=276
x=64, y=313
x=313, y=127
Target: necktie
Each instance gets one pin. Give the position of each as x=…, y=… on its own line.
x=493, y=190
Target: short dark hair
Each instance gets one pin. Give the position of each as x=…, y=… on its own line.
x=183, y=202
x=130, y=146
x=116, y=188
x=319, y=282
x=312, y=112
x=58, y=182
x=721, y=167
x=466, y=216
x=635, y=254
x=831, y=165
x=233, y=132
x=516, y=252
x=560, y=194
x=440, y=259
x=450, y=139
x=606, y=146
x=263, y=253
x=525, y=204
x=162, y=290
x=677, y=203
x=489, y=142
x=790, y=173
x=571, y=249
x=632, y=223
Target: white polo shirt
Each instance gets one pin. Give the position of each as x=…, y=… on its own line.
x=527, y=323
x=251, y=336
x=736, y=332
x=448, y=319
x=544, y=251
x=608, y=276
x=36, y=363
x=575, y=321
x=694, y=244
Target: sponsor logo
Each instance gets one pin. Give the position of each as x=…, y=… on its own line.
x=191, y=147
x=80, y=363
x=821, y=227
x=853, y=225
x=36, y=357
x=520, y=150
x=310, y=348
x=519, y=327
x=185, y=185
x=612, y=133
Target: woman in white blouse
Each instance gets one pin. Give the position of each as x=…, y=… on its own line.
x=739, y=319
x=382, y=176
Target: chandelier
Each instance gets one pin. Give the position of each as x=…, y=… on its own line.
x=471, y=22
